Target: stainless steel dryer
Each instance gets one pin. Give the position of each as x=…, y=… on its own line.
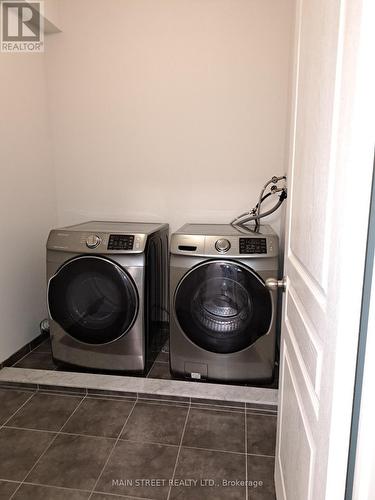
x=107, y=294
x=223, y=318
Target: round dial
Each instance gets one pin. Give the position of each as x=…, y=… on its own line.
x=222, y=245
x=93, y=241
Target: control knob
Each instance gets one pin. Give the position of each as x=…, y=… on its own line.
x=222, y=245
x=93, y=241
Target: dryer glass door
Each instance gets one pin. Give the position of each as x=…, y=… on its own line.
x=223, y=306
x=93, y=299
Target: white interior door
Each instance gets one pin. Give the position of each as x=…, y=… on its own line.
x=330, y=168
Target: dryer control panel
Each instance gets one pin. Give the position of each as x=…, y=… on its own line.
x=253, y=245
x=120, y=242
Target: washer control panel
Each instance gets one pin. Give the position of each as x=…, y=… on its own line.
x=253, y=245
x=120, y=242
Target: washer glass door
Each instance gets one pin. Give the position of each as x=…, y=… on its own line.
x=223, y=306
x=93, y=299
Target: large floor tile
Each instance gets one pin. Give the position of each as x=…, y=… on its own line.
x=7, y=489
x=10, y=401
x=133, y=461
x=155, y=423
x=72, y=461
x=261, y=469
x=37, y=361
x=34, y=492
x=99, y=417
x=261, y=434
x=217, y=430
x=45, y=412
x=19, y=450
x=217, y=466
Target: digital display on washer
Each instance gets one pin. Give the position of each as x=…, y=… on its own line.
x=120, y=242
x=253, y=245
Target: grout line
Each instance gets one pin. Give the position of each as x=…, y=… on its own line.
x=163, y=403
x=260, y=455
x=214, y=449
x=179, y=451
x=246, y=476
x=65, y=394
x=50, y=392
x=55, y=389
x=67, y=488
x=151, y=368
x=143, y=399
x=156, y=402
x=112, y=397
x=47, y=448
x=219, y=408
x=197, y=404
x=261, y=414
x=113, y=449
x=62, y=432
x=149, y=442
x=116, y=495
x=112, y=400
x=29, y=429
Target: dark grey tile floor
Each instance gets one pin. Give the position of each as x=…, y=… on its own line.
x=60, y=446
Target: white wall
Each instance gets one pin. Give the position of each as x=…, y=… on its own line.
x=27, y=199
x=170, y=110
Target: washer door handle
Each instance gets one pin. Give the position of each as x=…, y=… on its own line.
x=274, y=284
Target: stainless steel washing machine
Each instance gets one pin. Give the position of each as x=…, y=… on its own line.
x=223, y=318
x=108, y=294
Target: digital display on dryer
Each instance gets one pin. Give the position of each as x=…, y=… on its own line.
x=253, y=245
x=120, y=242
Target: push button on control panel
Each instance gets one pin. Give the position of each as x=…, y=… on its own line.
x=137, y=243
x=253, y=245
x=120, y=242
